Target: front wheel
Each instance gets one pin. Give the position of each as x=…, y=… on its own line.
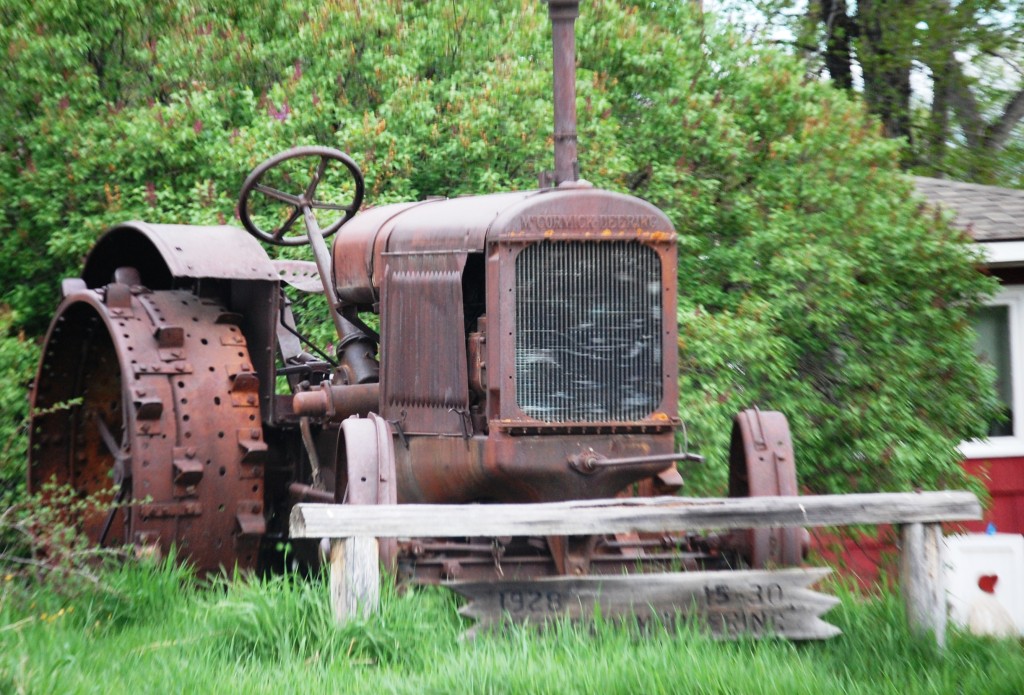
x=761, y=464
x=369, y=450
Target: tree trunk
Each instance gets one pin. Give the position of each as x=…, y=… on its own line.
x=840, y=30
x=886, y=60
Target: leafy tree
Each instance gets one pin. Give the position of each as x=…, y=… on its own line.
x=964, y=118
x=811, y=280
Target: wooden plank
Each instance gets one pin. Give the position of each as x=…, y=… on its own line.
x=354, y=578
x=727, y=605
x=921, y=579
x=654, y=514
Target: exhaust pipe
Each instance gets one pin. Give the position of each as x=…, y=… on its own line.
x=563, y=14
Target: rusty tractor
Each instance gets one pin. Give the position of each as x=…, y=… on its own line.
x=515, y=347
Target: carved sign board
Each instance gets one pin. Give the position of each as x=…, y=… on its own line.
x=726, y=605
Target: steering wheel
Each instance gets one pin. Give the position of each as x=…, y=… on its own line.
x=304, y=202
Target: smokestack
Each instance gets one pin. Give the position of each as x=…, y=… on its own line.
x=563, y=14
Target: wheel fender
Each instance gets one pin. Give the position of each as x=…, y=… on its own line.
x=165, y=252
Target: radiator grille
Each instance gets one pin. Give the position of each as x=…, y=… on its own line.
x=588, y=331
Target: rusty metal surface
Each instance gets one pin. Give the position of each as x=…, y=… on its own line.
x=161, y=252
x=357, y=275
x=761, y=463
x=445, y=225
x=574, y=216
x=224, y=260
x=493, y=559
x=563, y=15
x=255, y=305
x=369, y=462
x=520, y=468
x=337, y=402
x=169, y=377
x=413, y=235
x=425, y=387
x=469, y=224
x=459, y=446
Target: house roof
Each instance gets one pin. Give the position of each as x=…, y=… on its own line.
x=987, y=213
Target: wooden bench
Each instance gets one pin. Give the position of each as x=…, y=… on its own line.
x=355, y=574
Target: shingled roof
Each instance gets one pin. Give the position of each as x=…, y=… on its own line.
x=987, y=213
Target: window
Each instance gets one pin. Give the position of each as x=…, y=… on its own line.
x=993, y=327
x=1000, y=328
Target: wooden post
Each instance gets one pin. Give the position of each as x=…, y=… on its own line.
x=921, y=579
x=355, y=577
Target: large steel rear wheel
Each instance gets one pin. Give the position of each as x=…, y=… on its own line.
x=152, y=396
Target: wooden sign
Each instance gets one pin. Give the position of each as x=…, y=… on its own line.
x=727, y=605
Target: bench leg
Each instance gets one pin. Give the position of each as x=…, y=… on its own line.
x=355, y=577
x=921, y=579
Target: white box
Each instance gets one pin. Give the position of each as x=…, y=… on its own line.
x=972, y=556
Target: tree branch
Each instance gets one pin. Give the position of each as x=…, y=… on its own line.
x=964, y=105
x=1013, y=65
x=998, y=133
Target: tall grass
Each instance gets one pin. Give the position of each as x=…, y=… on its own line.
x=156, y=628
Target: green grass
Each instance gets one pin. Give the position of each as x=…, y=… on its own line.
x=155, y=629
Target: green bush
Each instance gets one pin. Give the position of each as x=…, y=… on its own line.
x=18, y=356
x=811, y=280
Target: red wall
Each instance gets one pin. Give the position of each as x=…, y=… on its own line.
x=864, y=559
x=856, y=557
x=1004, y=479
